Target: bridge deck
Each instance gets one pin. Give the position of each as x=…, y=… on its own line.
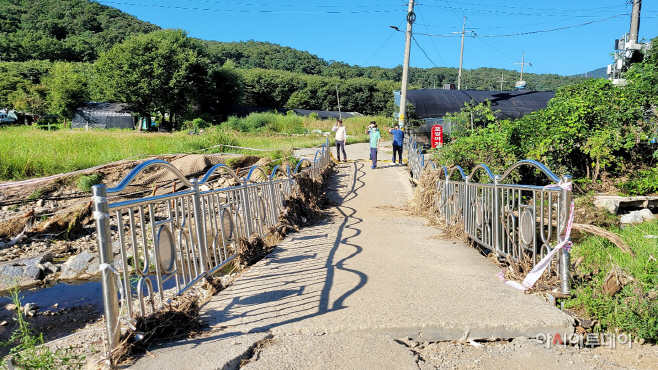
x=335, y=295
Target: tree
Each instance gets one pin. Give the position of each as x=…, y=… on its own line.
x=67, y=88
x=30, y=99
x=156, y=72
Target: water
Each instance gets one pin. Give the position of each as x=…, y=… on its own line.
x=65, y=295
x=69, y=295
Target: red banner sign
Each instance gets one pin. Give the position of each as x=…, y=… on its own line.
x=437, y=136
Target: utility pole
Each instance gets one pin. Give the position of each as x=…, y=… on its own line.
x=635, y=21
x=502, y=80
x=411, y=18
x=461, y=56
x=522, y=64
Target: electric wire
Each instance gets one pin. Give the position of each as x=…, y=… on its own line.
x=104, y=2
x=489, y=45
x=423, y=50
x=534, y=32
x=541, y=13
x=435, y=48
x=382, y=46
x=529, y=8
x=292, y=5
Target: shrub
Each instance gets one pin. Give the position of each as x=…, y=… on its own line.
x=642, y=182
x=197, y=124
x=85, y=182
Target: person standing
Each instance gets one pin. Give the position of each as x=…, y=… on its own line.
x=341, y=137
x=398, y=139
x=375, y=137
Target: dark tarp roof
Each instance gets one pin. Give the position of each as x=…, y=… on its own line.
x=103, y=115
x=512, y=104
x=243, y=111
x=326, y=113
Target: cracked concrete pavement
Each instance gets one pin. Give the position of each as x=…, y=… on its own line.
x=338, y=294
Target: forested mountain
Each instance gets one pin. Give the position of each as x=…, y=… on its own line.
x=57, y=54
x=65, y=30
x=265, y=55
x=79, y=30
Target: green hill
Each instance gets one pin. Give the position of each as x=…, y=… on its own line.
x=79, y=30
x=65, y=30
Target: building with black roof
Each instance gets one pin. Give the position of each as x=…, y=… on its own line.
x=432, y=105
x=104, y=115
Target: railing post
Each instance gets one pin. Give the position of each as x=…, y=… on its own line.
x=110, y=293
x=445, y=196
x=200, y=225
x=565, y=257
x=247, y=209
x=273, y=206
x=465, y=202
x=495, y=223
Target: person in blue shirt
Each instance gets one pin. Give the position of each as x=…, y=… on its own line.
x=398, y=139
x=375, y=137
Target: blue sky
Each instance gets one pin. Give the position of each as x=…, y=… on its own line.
x=358, y=32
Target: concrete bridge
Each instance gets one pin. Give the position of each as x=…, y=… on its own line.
x=341, y=294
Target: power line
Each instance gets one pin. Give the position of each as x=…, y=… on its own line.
x=380, y=48
x=489, y=45
x=435, y=48
x=527, y=8
x=423, y=50
x=291, y=5
x=534, y=32
x=518, y=25
x=249, y=11
x=540, y=12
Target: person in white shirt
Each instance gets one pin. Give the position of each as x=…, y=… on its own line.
x=341, y=137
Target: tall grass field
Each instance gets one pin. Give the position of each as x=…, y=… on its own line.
x=28, y=152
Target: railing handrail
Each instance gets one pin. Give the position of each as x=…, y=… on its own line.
x=142, y=167
x=511, y=211
x=531, y=162
x=219, y=167
x=483, y=167
x=199, y=246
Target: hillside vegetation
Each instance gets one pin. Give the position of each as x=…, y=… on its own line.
x=59, y=53
x=64, y=30
x=604, y=135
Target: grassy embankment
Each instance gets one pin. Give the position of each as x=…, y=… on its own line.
x=634, y=309
x=27, y=152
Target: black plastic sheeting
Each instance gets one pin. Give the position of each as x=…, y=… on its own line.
x=243, y=111
x=512, y=104
x=103, y=115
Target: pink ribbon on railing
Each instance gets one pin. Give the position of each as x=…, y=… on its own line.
x=540, y=267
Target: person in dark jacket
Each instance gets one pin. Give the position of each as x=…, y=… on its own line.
x=398, y=139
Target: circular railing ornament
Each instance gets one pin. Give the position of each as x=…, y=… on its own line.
x=227, y=225
x=166, y=250
x=527, y=226
x=479, y=212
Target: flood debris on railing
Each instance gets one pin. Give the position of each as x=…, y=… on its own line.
x=519, y=223
x=173, y=243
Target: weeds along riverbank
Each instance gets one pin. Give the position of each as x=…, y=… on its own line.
x=616, y=290
x=33, y=151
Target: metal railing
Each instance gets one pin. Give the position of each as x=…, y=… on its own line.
x=415, y=157
x=168, y=243
x=512, y=220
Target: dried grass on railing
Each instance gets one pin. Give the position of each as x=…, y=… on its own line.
x=517, y=271
x=180, y=319
x=425, y=201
